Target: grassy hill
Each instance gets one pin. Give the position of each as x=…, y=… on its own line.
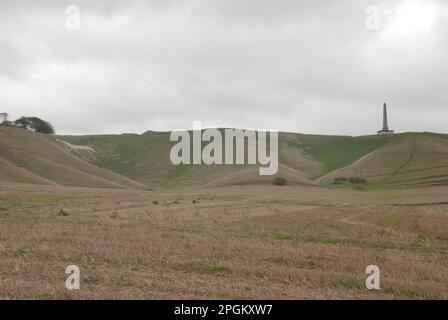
x=133, y=160
x=27, y=157
x=333, y=152
x=302, y=158
x=409, y=159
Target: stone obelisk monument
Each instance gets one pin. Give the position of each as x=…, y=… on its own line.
x=385, y=129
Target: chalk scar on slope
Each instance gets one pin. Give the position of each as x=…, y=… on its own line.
x=77, y=148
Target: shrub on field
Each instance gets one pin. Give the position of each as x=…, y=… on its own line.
x=62, y=213
x=114, y=215
x=280, y=181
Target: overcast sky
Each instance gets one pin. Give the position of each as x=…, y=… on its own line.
x=322, y=67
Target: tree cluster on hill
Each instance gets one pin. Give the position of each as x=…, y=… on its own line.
x=34, y=124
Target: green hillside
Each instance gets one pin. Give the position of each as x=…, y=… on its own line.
x=410, y=159
x=133, y=160
x=334, y=152
x=145, y=158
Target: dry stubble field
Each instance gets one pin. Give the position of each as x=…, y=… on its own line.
x=236, y=242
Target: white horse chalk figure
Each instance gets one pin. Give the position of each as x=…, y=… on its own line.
x=75, y=148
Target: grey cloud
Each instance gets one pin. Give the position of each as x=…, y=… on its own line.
x=306, y=66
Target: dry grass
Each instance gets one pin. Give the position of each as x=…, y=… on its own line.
x=27, y=157
x=239, y=242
